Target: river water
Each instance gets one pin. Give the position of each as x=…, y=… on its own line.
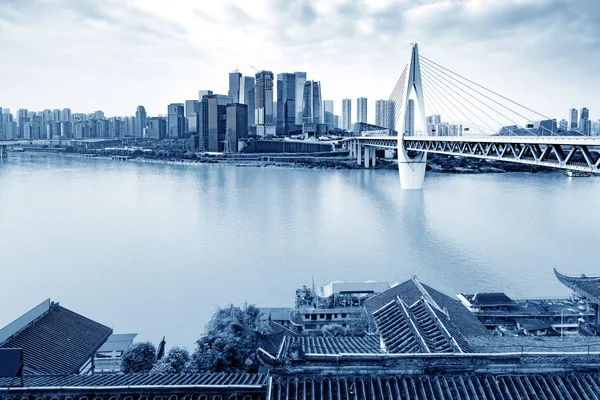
x=155, y=248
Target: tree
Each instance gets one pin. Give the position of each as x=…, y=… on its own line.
x=333, y=330
x=176, y=362
x=231, y=340
x=139, y=357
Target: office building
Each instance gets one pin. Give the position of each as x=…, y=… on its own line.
x=192, y=109
x=157, y=128
x=264, y=98
x=175, y=121
x=248, y=96
x=56, y=115
x=347, y=114
x=140, y=122
x=573, y=118
x=563, y=125
x=234, y=86
x=584, y=116
x=286, y=103
x=311, y=103
x=300, y=79
x=236, y=126
x=99, y=114
x=361, y=110
x=409, y=118
x=22, y=118
x=433, y=125
x=217, y=121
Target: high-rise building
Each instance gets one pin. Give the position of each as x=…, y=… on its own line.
x=203, y=120
x=573, y=118
x=236, y=126
x=248, y=96
x=311, y=103
x=563, y=125
x=584, y=117
x=347, y=114
x=157, y=128
x=175, y=121
x=286, y=103
x=328, y=117
x=192, y=109
x=361, y=110
x=22, y=118
x=336, y=122
x=140, y=122
x=409, y=118
x=217, y=121
x=234, y=86
x=56, y=115
x=264, y=98
x=385, y=114
x=2, y=137
x=434, y=123
x=66, y=115
x=99, y=114
x=300, y=79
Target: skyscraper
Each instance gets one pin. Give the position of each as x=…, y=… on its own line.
x=234, y=86
x=217, y=121
x=66, y=115
x=300, y=79
x=203, y=120
x=175, y=121
x=264, y=98
x=361, y=110
x=584, y=117
x=99, y=114
x=22, y=118
x=385, y=114
x=157, y=128
x=140, y=122
x=573, y=118
x=328, y=117
x=311, y=103
x=347, y=114
x=409, y=119
x=192, y=109
x=248, y=96
x=236, y=126
x=286, y=103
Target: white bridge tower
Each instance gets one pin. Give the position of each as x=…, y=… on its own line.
x=412, y=170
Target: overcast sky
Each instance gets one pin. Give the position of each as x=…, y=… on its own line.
x=112, y=55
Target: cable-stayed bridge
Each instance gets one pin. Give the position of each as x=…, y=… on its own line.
x=479, y=123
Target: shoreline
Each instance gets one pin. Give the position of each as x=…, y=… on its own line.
x=436, y=163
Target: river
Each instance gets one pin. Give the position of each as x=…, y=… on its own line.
x=155, y=248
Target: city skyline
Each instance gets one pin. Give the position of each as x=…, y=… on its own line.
x=165, y=58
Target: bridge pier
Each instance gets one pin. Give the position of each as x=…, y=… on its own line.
x=358, y=153
x=367, y=160
x=412, y=170
x=3, y=152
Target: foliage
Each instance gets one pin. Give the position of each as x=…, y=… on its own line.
x=176, y=362
x=333, y=330
x=231, y=340
x=139, y=357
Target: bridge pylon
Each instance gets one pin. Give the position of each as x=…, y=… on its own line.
x=412, y=170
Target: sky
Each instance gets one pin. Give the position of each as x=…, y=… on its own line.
x=114, y=55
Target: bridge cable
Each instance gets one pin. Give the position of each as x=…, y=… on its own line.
x=397, y=95
x=433, y=96
x=440, y=109
x=437, y=73
x=478, y=85
x=455, y=99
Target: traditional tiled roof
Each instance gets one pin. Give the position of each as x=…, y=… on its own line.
x=490, y=299
x=59, y=342
x=413, y=290
x=446, y=386
x=145, y=380
x=338, y=345
x=586, y=286
x=272, y=341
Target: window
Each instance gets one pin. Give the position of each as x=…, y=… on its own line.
x=343, y=315
x=306, y=316
x=322, y=316
x=329, y=317
x=313, y=317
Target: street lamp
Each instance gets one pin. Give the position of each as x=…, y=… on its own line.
x=562, y=319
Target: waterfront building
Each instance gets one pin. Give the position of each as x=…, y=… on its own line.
x=286, y=104
x=234, y=86
x=362, y=129
x=102, y=128
x=248, y=96
x=300, y=79
x=99, y=114
x=264, y=104
x=66, y=115
x=236, y=126
x=573, y=118
x=22, y=118
x=217, y=121
x=192, y=109
x=56, y=115
x=336, y=122
x=385, y=113
x=347, y=114
x=54, y=340
x=587, y=289
x=131, y=126
x=140, y=122
x=563, y=125
x=157, y=128
x=311, y=110
x=361, y=110
x=175, y=121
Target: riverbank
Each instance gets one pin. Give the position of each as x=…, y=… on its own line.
x=435, y=163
